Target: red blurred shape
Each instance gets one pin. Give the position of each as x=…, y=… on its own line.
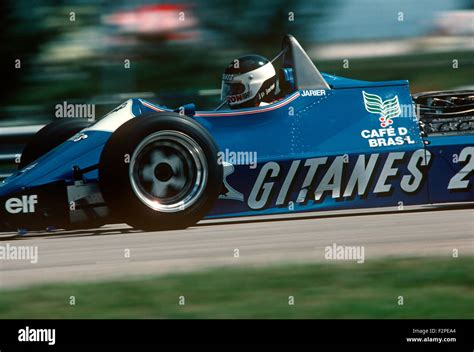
x=158, y=19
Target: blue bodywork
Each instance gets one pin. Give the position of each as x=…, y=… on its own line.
x=316, y=149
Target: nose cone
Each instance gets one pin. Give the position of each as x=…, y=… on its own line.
x=82, y=150
x=58, y=164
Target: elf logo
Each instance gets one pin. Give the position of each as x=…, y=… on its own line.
x=25, y=204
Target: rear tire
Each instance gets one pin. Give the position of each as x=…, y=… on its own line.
x=160, y=172
x=49, y=137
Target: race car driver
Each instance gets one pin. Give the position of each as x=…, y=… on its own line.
x=249, y=81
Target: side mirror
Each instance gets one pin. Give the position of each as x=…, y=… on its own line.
x=187, y=109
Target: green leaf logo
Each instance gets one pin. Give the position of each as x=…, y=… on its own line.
x=387, y=109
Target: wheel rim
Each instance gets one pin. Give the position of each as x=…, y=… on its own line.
x=168, y=171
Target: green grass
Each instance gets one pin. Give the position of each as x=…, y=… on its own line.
x=431, y=288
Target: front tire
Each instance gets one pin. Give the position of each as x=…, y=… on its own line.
x=160, y=172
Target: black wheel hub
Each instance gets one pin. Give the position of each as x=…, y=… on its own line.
x=163, y=172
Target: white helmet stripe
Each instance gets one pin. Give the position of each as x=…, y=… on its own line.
x=252, y=81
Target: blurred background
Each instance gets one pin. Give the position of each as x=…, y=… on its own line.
x=174, y=52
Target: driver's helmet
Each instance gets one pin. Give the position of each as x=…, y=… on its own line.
x=247, y=81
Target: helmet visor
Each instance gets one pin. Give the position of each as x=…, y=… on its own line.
x=230, y=88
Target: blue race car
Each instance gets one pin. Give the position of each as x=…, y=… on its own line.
x=327, y=143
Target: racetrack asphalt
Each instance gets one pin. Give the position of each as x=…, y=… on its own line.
x=117, y=251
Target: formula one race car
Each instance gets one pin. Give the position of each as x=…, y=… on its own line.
x=329, y=143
